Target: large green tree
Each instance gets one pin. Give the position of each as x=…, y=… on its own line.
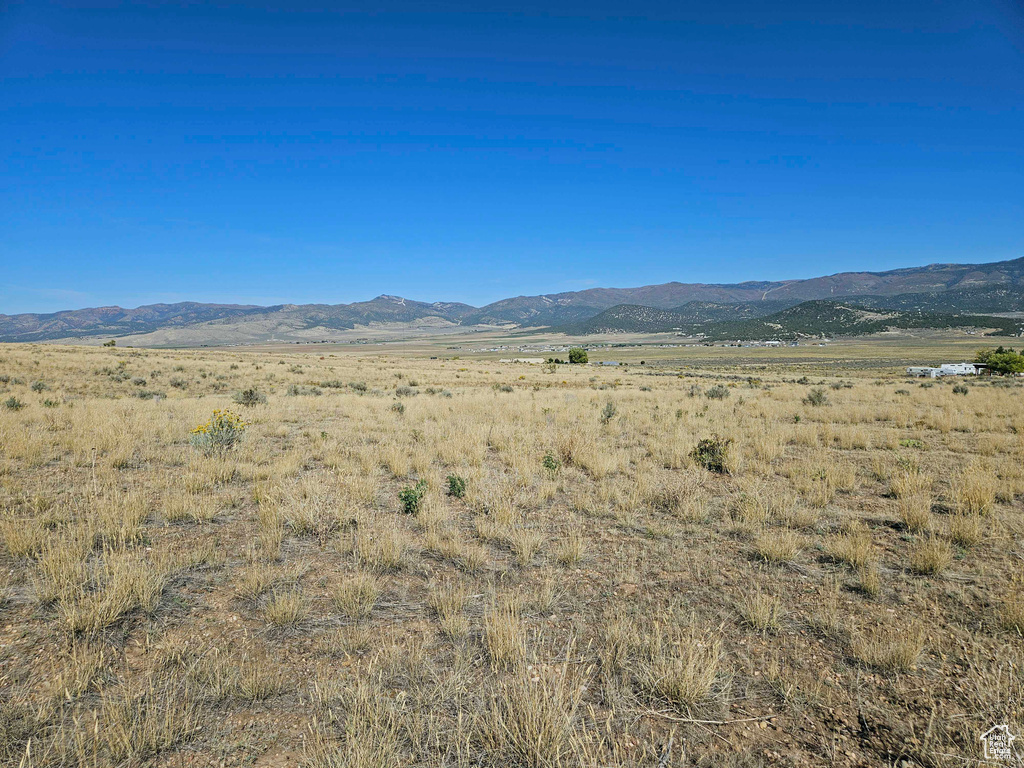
x=1000, y=360
x=577, y=355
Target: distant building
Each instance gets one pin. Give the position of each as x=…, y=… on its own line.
x=946, y=369
x=530, y=360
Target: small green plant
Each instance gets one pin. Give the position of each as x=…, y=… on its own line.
x=608, y=412
x=398, y=408
x=223, y=431
x=551, y=462
x=456, y=486
x=250, y=397
x=295, y=390
x=578, y=355
x=912, y=443
x=960, y=389
x=412, y=497
x=712, y=453
x=816, y=397
x=13, y=404
x=40, y=386
x=717, y=392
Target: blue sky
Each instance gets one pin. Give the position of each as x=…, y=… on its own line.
x=295, y=152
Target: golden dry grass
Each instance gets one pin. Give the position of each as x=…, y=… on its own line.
x=591, y=594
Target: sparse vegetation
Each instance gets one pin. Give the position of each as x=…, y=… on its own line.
x=249, y=397
x=500, y=577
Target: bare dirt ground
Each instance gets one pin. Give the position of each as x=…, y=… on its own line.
x=400, y=561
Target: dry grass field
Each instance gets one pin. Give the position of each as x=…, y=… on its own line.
x=414, y=562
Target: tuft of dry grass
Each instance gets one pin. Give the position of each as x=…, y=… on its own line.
x=894, y=649
x=285, y=608
x=681, y=666
x=760, y=610
x=572, y=549
x=852, y=547
x=356, y=596
x=190, y=508
x=967, y=530
x=382, y=551
x=910, y=481
x=869, y=581
x=135, y=723
x=448, y=599
x=504, y=636
x=915, y=511
x=534, y=719
x=974, y=490
x=525, y=544
x=23, y=538
x=777, y=545
x=930, y=556
x=1011, y=613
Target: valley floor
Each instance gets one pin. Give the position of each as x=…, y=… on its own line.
x=721, y=557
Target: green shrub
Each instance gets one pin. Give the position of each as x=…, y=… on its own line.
x=712, y=453
x=577, y=355
x=816, y=397
x=717, y=392
x=960, y=389
x=221, y=432
x=295, y=390
x=13, y=404
x=250, y=397
x=39, y=386
x=608, y=412
x=398, y=408
x=412, y=496
x=456, y=486
x=551, y=462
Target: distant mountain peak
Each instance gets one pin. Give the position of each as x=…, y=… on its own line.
x=935, y=288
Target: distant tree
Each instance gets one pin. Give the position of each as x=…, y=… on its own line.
x=577, y=355
x=1000, y=360
x=111, y=343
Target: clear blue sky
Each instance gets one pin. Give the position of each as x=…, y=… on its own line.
x=294, y=152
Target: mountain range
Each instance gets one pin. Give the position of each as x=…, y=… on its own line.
x=940, y=291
